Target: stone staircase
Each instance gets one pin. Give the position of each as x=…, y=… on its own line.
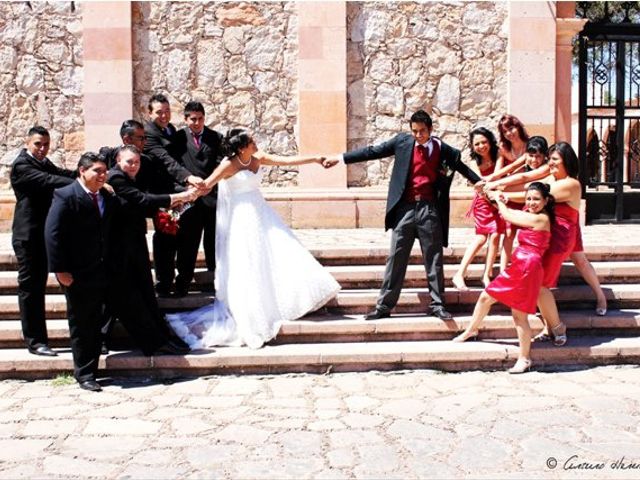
x=337, y=339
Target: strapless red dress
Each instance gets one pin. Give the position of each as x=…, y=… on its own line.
x=518, y=286
x=485, y=214
x=566, y=238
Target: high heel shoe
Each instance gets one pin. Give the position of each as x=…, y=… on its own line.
x=521, y=366
x=541, y=337
x=601, y=312
x=559, y=334
x=459, y=283
x=464, y=336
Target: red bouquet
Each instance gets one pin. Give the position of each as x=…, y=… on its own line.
x=166, y=221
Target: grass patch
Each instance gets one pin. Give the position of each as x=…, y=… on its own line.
x=63, y=380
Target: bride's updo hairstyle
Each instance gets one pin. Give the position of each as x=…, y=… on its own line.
x=236, y=139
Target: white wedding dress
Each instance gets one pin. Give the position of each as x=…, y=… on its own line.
x=264, y=275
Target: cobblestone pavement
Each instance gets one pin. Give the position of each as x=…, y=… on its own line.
x=407, y=424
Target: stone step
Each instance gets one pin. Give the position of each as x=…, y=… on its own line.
x=370, y=276
x=416, y=300
x=332, y=255
x=377, y=255
x=327, y=328
x=329, y=357
x=412, y=300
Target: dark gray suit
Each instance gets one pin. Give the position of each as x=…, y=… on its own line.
x=201, y=217
x=33, y=183
x=79, y=242
x=429, y=221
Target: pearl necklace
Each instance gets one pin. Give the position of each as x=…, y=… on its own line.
x=244, y=164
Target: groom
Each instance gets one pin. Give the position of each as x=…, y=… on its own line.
x=417, y=206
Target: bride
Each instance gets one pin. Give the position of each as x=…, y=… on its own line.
x=264, y=276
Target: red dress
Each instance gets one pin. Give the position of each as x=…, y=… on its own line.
x=566, y=238
x=518, y=286
x=485, y=214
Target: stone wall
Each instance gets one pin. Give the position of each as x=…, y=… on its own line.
x=238, y=59
x=449, y=58
x=40, y=79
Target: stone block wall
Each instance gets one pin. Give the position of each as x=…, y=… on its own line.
x=40, y=79
x=449, y=58
x=238, y=59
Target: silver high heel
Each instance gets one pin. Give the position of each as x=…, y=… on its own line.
x=559, y=339
x=601, y=312
x=464, y=336
x=521, y=366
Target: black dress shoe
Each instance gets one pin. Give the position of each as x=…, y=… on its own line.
x=104, y=350
x=180, y=293
x=171, y=348
x=441, y=313
x=90, y=385
x=376, y=314
x=43, y=350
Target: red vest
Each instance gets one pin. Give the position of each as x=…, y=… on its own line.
x=423, y=173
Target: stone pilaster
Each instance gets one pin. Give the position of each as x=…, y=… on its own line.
x=108, y=80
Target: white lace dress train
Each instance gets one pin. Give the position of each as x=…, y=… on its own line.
x=264, y=275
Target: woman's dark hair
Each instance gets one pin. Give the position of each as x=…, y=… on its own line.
x=493, y=144
x=506, y=122
x=236, y=139
x=569, y=158
x=545, y=191
x=539, y=145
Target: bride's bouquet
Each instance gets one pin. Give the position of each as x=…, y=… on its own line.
x=167, y=220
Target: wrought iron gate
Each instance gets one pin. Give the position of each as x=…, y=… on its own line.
x=609, y=72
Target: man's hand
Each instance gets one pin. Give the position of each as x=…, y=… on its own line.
x=331, y=161
x=196, y=181
x=479, y=186
x=64, y=278
x=108, y=188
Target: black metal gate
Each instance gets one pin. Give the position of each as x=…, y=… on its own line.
x=609, y=135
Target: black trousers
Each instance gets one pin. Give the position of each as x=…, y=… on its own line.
x=164, y=259
x=421, y=220
x=135, y=304
x=32, y=282
x=86, y=311
x=197, y=220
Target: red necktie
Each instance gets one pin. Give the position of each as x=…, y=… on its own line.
x=196, y=140
x=94, y=197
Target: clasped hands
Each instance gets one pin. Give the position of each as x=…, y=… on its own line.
x=491, y=191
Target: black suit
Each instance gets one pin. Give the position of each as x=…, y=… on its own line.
x=429, y=221
x=161, y=149
x=78, y=240
x=33, y=183
x=134, y=301
x=201, y=161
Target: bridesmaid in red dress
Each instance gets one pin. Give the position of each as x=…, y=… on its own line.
x=519, y=285
x=513, y=146
x=566, y=242
x=488, y=222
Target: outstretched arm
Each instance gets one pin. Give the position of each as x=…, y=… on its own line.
x=519, y=217
x=524, y=177
x=222, y=171
x=501, y=171
x=279, y=160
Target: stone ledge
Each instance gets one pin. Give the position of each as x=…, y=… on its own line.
x=412, y=300
x=317, y=328
x=309, y=208
x=323, y=357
